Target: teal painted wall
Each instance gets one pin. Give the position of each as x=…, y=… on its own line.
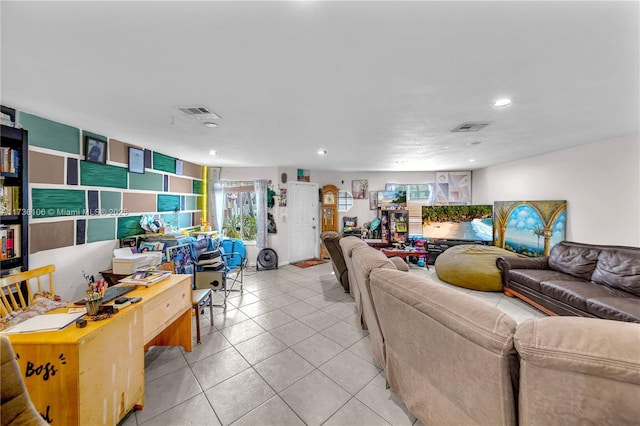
x=57, y=202
x=49, y=134
x=164, y=162
x=101, y=229
x=95, y=174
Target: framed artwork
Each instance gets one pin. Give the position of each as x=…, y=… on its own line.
x=304, y=175
x=359, y=188
x=180, y=255
x=95, y=150
x=136, y=160
x=373, y=200
x=179, y=166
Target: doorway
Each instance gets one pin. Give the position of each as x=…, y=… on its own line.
x=303, y=221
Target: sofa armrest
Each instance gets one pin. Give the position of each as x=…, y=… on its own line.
x=506, y=263
x=399, y=263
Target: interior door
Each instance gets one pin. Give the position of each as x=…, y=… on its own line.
x=304, y=235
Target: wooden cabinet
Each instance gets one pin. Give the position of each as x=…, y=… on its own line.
x=14, y=197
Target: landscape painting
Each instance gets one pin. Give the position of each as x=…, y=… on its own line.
x=473, y=223
x=530, y=228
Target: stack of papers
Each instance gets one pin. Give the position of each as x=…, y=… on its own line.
x=45, y=322
x=146, y=278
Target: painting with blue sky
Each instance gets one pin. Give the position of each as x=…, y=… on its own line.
x=531, y=228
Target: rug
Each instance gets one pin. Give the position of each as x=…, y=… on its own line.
x=308, y=263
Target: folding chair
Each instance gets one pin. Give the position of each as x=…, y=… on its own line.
x=233, y=254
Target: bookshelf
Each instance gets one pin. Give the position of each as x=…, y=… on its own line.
x=14, y=192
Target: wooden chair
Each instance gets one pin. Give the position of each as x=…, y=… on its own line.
x=12, y=292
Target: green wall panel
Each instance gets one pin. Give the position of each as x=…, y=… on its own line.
x=199, y=203
x=50, y=134
x=110, y=202
x=101, y=229
x=164, y=162
x=197, y=186
x=147, y=181
x=190, y=203
x=129, y=226
x=57, y=202
x=93, y=136
x=94, y=174
x=168, y=203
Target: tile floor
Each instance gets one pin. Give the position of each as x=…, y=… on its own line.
x=287, y=351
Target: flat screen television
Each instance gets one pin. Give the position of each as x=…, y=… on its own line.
x=473, y=223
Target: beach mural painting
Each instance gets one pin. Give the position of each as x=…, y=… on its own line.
x=530, y=228
x=472, y=223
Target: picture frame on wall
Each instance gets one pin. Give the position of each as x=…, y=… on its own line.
x=359, y=188
x=95, y=150
x=136, y=160
x=179, y=167
x=373, y=200
x=180, y=255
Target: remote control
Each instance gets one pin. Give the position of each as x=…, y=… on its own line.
x=135, y=299
x=121, y=300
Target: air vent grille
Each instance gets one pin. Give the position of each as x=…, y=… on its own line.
x=470, y=127
x=198, y=112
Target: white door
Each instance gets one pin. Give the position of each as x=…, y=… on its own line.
x=304, y=235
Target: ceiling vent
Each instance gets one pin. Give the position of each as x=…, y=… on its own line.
x=470, y=127
x=198, y=113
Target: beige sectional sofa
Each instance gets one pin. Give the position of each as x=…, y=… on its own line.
x=456, y=360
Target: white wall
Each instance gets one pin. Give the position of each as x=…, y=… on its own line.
x=70, y=262
x=600, y=181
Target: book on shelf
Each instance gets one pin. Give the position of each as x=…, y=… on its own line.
x=146, y=278
x=9, y=199
x=10, y=235
x=9, y=160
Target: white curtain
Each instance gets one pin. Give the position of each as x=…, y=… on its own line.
x=214, y=187
x=261, y=186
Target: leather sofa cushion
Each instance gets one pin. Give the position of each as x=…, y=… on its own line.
x=576, y=292
x=577, y=260
x=533, y=277
x=619, y=268
x=615, y=308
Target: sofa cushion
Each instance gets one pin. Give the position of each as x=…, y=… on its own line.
x=574, y=259
x=619, y=268
x=578, y=371
x=533, y=277
x=615, y=308
x=575, y=292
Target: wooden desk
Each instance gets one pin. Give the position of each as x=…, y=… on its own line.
x=95, y=375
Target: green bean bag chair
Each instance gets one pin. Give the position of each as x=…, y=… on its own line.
x=471, y=266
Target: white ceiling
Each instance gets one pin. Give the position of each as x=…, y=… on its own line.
x=379, y=85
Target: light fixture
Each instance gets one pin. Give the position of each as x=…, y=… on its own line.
x=502, y=102
x=322, y=152
x=210, y=124
x=472, y=160
x=212, y=152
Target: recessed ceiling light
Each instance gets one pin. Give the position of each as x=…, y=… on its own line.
x=502, y=102
x=210, y=124
x=471, y=160
x=322, y=152
x=212, y=152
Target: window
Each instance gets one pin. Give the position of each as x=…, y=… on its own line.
x=239, y=211
x=415, y=191
x=345, y=201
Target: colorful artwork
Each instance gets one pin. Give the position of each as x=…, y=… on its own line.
x=473, y=223
x=453, y=188
x=180, y=255
x=531, y=228
x=304, y=175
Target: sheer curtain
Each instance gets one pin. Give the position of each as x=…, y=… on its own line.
x=260, y=186
x=214, y=187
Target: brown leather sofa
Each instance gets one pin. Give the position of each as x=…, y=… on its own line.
x=331, y=241
x=578, y=279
